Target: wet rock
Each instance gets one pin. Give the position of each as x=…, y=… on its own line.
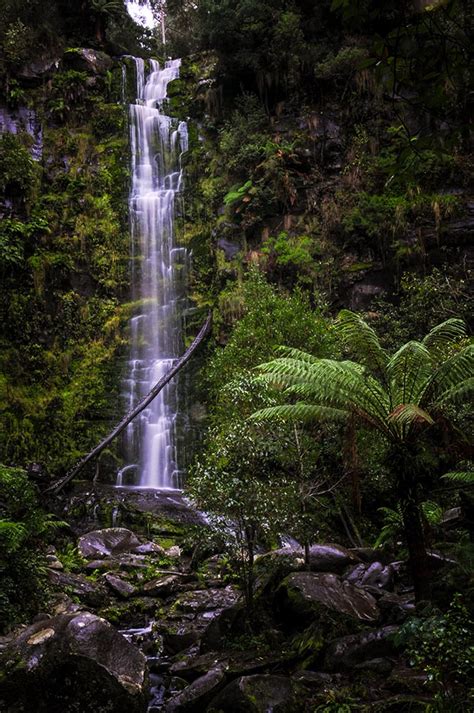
x=88, y=60
x=162, y=587
x=331, y=558
x=53, y=562
x=120, y=586
x=40, y=67
x=196, y=696
x=70, y=663
x=396, y=608
x=193, y=667
x=38, y=473
x=302, y=594
x=206, y=600
x=372, y=575
x=255, y=694
x=149, y=548
x=349, y=651
x=91, y=594
x=220, y=626
x=110, y=541
x=313, y=679
x=382, y=666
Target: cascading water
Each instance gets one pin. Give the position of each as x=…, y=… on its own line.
x=157, y=142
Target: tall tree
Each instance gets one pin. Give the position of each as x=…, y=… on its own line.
x=402, y=397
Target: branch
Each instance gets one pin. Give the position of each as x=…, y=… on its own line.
x=205, y=329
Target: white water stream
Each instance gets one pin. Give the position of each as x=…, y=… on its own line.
x=157, y=142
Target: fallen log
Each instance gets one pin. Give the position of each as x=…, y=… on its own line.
x=159, y=386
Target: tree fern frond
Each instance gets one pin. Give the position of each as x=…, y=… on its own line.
x=291, y=353
x=408, y=414
x=450, y=374
x=409, y=370
x=300, y=412
x=460, y=476
x=362, y=341
x=448, y=332
x=457, y=394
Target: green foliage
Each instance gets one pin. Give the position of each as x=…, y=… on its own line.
x=23, y=529
x=266, y=318
x=18, y=171
x=442, y=646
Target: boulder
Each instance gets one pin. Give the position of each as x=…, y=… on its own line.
x=331, y=558
x=162, y=587
x=89, y=593
x=70, y=663
x=372, y=575
x=111, y=541
x=349, y=651
x=87, y=60
x=302, y=595
x=255, y=694
x=39, y=68
x=396, y=608
x=119, y=586
x=196, y=696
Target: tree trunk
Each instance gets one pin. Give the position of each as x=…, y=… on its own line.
x=204, y=331
x=415, y=538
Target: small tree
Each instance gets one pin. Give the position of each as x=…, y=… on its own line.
x=235, y=485
x=401, y=397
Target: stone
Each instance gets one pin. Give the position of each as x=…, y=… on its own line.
x=255, y=694
x=89, y=593
x=84, y=59
x=53, y=562
x=193, y=667
x=119, y=586
x=396, y=608
x=348, y=651
x=149, y=548
x=162, y=587
x=382, y=666
x=313, y=679
x=72, y=662
x=220, y=626
x=198, y=694
x=39, y=68
x=205, y=600
x=372, y=575
x=302, y=594
x=110, y=541
x=331, y=558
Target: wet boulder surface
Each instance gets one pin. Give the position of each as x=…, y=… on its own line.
x=73, y=662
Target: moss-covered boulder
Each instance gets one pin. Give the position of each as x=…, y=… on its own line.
x=255, y=694
x=303, y=596
x=70, y=663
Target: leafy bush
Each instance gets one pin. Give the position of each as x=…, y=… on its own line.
x=23, y=529
x=442, y=645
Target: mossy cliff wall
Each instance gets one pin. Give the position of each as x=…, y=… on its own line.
x=64, y=249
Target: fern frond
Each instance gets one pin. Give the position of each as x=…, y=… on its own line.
x=461, y=477
x=445, y=334
x=291, y=353
x=300, y=412
x=362, y=341
x=409, y=370
x=458, y=394
x=452, y=373
x=406, y=415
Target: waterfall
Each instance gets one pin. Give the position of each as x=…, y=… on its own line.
x=157, y=142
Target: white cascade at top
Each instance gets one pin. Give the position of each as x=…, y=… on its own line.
x=157, y=142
